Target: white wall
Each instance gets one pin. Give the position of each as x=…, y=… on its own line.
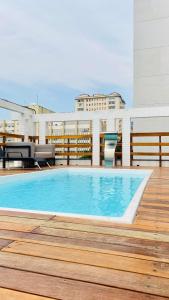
x=151, y=52
x=151, y=61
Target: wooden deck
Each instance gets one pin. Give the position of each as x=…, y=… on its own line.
x=44, y=257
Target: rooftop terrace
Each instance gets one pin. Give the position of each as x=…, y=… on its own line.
x=51, y=257
x=44, y=257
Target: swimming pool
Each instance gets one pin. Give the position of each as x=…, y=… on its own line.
x=109, y=194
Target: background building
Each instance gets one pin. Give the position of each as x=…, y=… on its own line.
x=12, y=126
x=39, y=109
x=99, y=102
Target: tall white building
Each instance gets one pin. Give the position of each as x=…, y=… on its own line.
x=151, y=69
x=151, y=59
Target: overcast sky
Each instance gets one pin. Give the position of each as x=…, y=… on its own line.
x=57, y=49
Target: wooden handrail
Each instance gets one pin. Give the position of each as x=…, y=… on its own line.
x=149, y=153
x=6, y=134
x=149, y=144
x=73, y=153
x=139, y=134
x=79, y=136
x=73, y=145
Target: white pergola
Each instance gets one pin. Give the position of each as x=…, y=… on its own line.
x=125, y=114
x=29, y=118
x=26, y=116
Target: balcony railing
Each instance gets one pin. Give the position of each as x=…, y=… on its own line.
x=72, y=146
x=79, y=146
x=160, y=154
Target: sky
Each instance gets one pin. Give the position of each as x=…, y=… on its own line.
x=53, y=50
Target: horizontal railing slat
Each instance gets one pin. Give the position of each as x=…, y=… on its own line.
x=72, y=145
x=149, y=153
x=139, y=134
x=6, y=134
x=81, y=136
x=73, y=153
x=149, y=144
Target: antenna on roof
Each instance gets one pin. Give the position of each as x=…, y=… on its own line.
x=37, y=99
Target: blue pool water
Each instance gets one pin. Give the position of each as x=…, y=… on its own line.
x=77, y=191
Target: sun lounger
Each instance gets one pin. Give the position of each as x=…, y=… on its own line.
x=29, y=154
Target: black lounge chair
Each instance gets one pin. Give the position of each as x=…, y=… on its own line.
x=25, y=152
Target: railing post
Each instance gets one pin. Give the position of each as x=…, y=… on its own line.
x=131, y=149
x=96, y=143
x=160, y=158
x=68, y=150
x=126, y=142
x=90, y=141
x=42, y=132
x=3, y=161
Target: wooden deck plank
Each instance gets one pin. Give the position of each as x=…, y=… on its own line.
x=22, y=220
x=4, y=243
x=67, y=289
x=103, y=276
x=116, y=243
x=37, y=263
x=159, y=226
x=133, y=230
x=164, y=218
x=88, y=256
x=6, y=294
x=157, y=253
x=98, y=237
x=18, y=214
x=16, y=226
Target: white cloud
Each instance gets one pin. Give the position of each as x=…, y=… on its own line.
x=72, y=42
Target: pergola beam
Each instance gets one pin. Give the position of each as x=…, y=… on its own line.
x=6, y=104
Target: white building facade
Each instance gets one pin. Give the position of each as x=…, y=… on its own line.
x=99, y=102
x=151, y=59
x=151, y=67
